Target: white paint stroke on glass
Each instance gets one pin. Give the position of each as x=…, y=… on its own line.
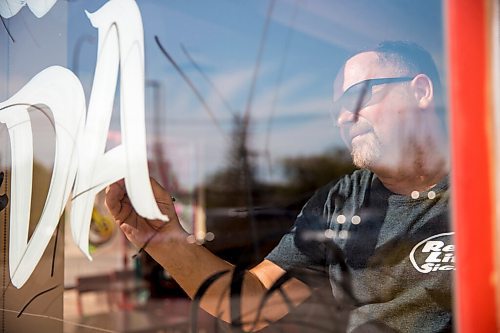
x=80, y=156
x=9, y=8
x=59, y=89
x=121, y=43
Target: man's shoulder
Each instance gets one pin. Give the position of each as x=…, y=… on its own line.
x=352, y=184
x=358, y=178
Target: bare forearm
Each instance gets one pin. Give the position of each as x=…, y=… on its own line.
x=191, y=265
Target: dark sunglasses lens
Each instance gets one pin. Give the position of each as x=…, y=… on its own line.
x=357, y=98
x=359, y=95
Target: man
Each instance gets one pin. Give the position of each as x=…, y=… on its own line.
x=381, y=233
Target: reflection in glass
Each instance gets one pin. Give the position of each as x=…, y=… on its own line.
x=238, y=130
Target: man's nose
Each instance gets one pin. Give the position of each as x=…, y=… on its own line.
x=346, y=117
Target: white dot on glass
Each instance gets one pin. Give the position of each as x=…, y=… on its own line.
x=356, y=219
x=329, y=233
x=343, y=234
x=431, y=195
x=209, y=236
x=415, y=194
x=341, y=219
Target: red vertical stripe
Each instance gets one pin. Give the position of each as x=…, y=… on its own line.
x=472, y=161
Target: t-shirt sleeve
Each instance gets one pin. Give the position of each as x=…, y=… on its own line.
x=302, y=247
x=287, y=255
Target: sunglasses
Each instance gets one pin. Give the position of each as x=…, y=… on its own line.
x=359, y=95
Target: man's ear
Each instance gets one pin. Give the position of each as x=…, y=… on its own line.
x=423, y=90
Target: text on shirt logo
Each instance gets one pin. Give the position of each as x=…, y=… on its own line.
x=434, y=254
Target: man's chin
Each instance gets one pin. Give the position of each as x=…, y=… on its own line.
x=365, y=151
x=361, y=161
x=365, y=158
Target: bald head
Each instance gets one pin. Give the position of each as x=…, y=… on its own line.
x=361, y=67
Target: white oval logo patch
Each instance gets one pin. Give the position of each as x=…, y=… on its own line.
x=436, y=253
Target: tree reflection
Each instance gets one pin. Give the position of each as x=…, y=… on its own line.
x=302, y=176
x=272, y=206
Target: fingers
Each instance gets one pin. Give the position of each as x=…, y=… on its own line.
x=120, y=207
x=114, y=195
x=163, y=198
x=138, y=230
x=160, y=193
x=118, y=202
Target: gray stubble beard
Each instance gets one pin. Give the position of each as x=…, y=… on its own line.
x=365, y=154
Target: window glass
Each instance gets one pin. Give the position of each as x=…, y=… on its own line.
x=308, y=136
x=29, y=45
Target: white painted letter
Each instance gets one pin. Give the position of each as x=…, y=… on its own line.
x=62, y=92
x=80, y=144
x=121, y=42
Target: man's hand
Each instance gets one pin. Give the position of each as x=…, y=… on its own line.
x=140, y=231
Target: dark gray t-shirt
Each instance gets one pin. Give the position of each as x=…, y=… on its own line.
x=389, y=257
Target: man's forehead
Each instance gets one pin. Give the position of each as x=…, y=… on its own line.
x=362, y=66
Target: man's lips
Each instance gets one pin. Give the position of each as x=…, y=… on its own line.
x=351, y=131
x=357, y=131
